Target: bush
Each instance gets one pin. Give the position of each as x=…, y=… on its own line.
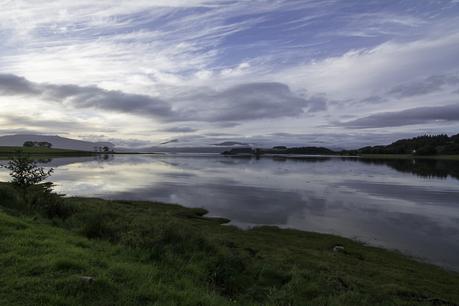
x=66, y=265
x=36, y=199
x=10, y=199
x=99, y=225
x=228, y=274
x=41, y=198
x=172, y=237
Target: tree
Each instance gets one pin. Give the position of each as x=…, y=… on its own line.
x=45, y=144
x=29, y=144
x=106, y=149
x=25, y=172
x=455, y=138
x=27, y=176
x=426, y=150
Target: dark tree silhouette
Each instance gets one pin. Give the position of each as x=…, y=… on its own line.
x=41, y=144
x=25, y=172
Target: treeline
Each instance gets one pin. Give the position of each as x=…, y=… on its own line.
x=428, y=168
x=37, y=144
x=421, y=145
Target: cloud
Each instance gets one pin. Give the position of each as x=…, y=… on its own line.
x=249, y=102
x=85, y=96
x=426, y=86
x=179, y=129
x=237, y=103
x=420, y=115
x=169, y=141
x=374, y=99
x=40, y=123
x=361, y=73
x=317, y=104
x=14, y=85
x=92, y=42
x=22, y=131
x=113, y=100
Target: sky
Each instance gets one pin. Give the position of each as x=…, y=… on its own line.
x=337, y=73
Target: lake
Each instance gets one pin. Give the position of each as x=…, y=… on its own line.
x=408, y=205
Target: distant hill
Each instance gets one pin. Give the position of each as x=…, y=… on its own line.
x=305, y=150
x=421, y=145
x=56, y=141
x=281, y=150
x=230, y=143
x=165, y=149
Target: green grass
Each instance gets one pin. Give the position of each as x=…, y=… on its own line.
x=143, y=253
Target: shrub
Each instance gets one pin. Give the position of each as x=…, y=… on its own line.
x=171, y=237
x=9, y=198
x=65, y=265
x=41, y=198
x=228, y=274
x=99, y=225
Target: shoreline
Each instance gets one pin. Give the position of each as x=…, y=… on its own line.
x=362, y=156
x=7, y=152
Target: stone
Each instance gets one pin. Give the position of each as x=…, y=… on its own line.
x=87, y=279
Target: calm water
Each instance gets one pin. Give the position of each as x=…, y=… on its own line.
x=411, y=206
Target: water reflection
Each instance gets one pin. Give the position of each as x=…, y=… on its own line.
x=421, y=167
x=401, y=204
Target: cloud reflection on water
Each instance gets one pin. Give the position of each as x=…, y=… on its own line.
x=380, y=203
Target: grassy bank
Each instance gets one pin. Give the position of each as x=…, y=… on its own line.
x=8, y=151
x=81, y=251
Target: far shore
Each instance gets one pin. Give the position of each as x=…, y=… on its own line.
x=6, y=152
x=363, y=156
